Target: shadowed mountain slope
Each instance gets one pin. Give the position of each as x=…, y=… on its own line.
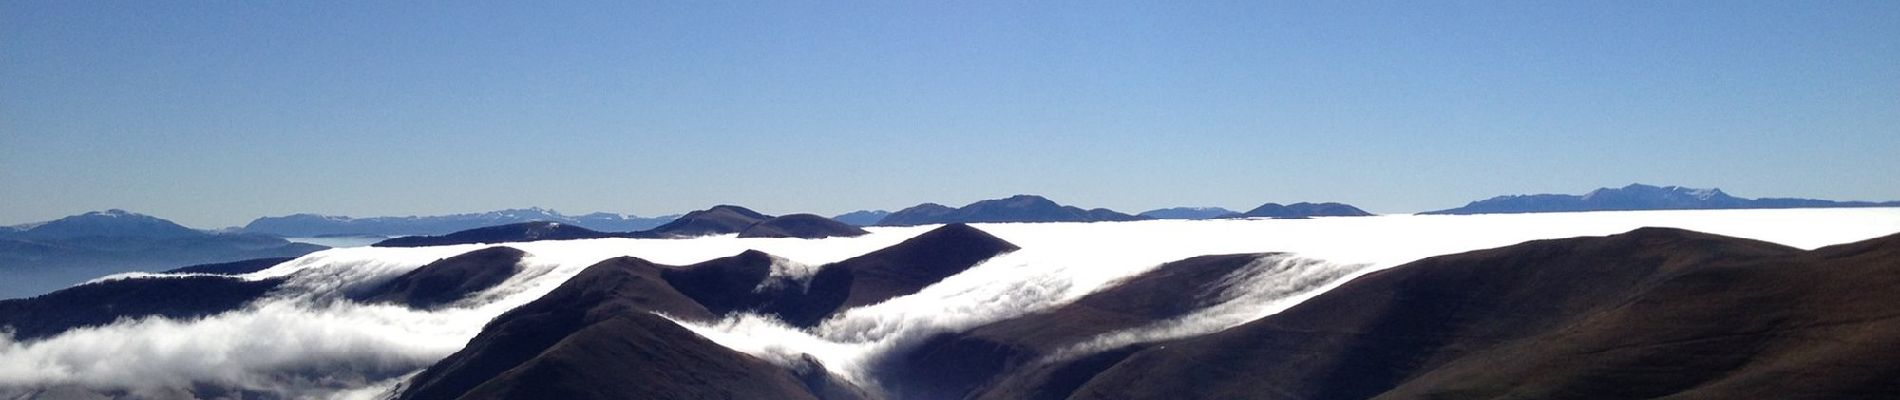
x=718, y=220
x=956, y=365
x=729, y=284
x=804, y=226
x=862, y=217
x=444, y=281
x=598, y=337
x=101, y=303
x=909, y=266
x=641, y=356
x=232, y=268
x=745, y=282
x=1649, y=313
x=611, y=289
x=520, y=232
x=595, y=336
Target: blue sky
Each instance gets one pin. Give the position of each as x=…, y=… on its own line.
x=213, y=113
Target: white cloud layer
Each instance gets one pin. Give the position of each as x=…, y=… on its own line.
x=305, y=341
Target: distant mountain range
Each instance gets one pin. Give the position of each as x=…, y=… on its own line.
x=1019, y=208
x=1305, y=210
x=730, y=219
x=515, y=232
x=109, y=223
x=718, y=220
x=313, y=225
x=1269, y=210
x=1032, y=208
x=39, y=257
x=806, y=226
x=1638, y=196
x=1189, y=213
x=862, y=217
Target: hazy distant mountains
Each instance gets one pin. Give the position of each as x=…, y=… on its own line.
x=718, y=220
x=39, y=257
x=1189, y=213
x=109, y=223
x=51, y=254
x=729, y=219
x=516, y=232
x=1031, y=208
x=1019, y=208
x=1269, y=210
x=1305, y=210
x=862, y=217
x=1638, y=196
x=313, y=225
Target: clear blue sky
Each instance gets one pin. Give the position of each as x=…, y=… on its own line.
x=213, y=113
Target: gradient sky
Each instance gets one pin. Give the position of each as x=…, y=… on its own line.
x=214, y=113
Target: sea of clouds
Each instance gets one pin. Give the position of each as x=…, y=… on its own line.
x=307, y=341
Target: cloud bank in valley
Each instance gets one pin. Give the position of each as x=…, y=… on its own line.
x=307, y=341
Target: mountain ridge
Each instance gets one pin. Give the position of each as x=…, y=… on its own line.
x=108, y=223
x=862, y=217
x=315, y=225
x=802, y=226
x=554, y=344
x=1018, y=208
x=1305, y=210
x=1653, y=312
x=1188, y=213
x=1637, y=196
x=716, y=220
x=54, y=254
x=516, y=232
